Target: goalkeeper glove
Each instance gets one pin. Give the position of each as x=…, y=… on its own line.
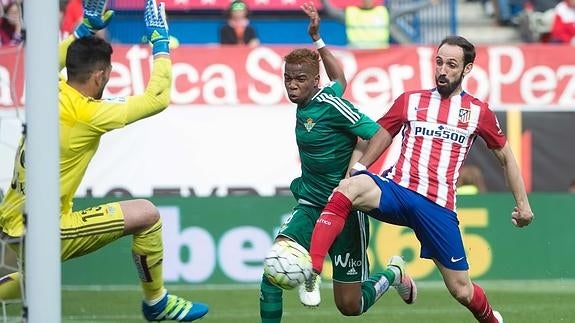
x=157, y=27
x=95, y=18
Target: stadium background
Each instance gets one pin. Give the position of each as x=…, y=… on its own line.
x=224, y=152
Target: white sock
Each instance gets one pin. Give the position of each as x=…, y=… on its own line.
x=157, y=300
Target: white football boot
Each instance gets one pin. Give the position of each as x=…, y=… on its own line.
x=403, y=283
x=498, y=316
x=309, y=291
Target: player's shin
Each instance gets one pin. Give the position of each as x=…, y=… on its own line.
x=271, y=302
x=147, y=251
x=480, y=306
x=375, y=286
x=328, y=227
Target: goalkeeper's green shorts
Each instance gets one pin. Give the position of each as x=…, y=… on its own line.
x=349, y=251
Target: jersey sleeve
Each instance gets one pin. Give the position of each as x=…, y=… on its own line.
x=394, y=119
x=114, y=113
x=333, y=88
x=351, y=120
x=63, y=50
x=489, y=129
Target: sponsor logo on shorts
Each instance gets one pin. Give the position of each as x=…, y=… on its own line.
x=352, y=272
x=346, y=261
x=453, y=259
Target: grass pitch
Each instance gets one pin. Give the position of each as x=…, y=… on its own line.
x=524, y=301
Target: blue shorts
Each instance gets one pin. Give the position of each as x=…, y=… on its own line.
x=436, y=227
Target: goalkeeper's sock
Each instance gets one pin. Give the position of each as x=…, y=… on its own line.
x=147, y=251
x=10, y=287
x=375, y=286
x=480, y=306
x=328, y=227
x=271, y=303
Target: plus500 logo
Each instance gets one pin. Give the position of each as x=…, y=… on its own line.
x=441, y=132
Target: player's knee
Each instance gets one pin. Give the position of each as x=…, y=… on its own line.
x=461, y=293
x=349, y=307
x=149, y=214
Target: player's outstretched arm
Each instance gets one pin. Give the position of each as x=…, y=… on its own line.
x=332, y=67
x=156, y=97
x=521, y=215
x=95, y=18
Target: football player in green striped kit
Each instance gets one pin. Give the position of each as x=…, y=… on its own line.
x=327, y=130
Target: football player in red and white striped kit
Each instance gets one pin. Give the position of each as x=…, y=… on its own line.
x=438, y=128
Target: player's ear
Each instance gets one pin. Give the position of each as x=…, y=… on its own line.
x=467, y=69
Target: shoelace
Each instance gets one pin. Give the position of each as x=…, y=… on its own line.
x=310, y=284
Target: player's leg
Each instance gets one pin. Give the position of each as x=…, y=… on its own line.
x=359, y=192
x=88, y=230
x=355, y=291
x=11, y=284
x=437, y=228
x=469, y=294
x=271, y=297
x=143, y=221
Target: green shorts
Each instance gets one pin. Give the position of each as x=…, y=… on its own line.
x=348, y=253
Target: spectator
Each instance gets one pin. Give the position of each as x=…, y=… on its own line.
x=563, y=30
x=11, y=25
x=470, y=181
x=237, y=30
x=370, y=25
x=571, y=188
x=536, y=21
x=507, y=12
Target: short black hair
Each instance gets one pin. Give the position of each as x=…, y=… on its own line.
x=86, y=55
x=468, y=48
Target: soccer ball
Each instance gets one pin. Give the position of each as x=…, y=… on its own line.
x=287, y=264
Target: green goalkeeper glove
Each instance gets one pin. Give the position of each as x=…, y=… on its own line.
x=157, y=27
x=95, y=18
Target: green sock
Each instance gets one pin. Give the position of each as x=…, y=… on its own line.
x=271, y=304
x=375, y=286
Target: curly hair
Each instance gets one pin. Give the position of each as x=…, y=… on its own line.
x=304, y=56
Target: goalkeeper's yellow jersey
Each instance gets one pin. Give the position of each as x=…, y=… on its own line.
x=83, y=120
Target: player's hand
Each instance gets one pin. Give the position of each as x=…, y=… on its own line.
x=95, y=18
x=313, y=14
x=521, y=217
x=157, y=27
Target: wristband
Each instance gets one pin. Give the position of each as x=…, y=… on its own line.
x=319, y=44
x=359, y=166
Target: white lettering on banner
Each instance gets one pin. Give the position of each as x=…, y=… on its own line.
x=184, y=89
x=497, y=76
x=271, y=79
x=5, y=91
x=220, y=78
x=200, y=260
x=568, y=95
x=535, y=76
x=240, y=251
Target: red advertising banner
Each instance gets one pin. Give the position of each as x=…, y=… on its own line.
x=538, y=76
x=223, y=4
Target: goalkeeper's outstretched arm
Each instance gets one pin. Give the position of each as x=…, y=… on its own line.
x=156, y=97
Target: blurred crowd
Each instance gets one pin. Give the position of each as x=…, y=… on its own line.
x=12, y=30
x=545, y=21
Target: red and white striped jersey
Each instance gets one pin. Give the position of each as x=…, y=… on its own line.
x=437, y=135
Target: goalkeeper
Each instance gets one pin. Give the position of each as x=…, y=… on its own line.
x=84, y=118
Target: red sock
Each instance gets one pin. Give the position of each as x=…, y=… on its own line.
x=480, y=306
x=328, y=227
